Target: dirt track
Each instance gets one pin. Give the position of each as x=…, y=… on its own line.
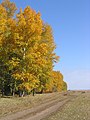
x=48, y=107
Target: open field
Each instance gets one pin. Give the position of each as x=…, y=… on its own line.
x=76, y=109
x=70, y=105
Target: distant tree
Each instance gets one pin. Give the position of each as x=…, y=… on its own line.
x=56, y=84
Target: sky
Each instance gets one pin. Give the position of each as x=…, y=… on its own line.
x=70, y=21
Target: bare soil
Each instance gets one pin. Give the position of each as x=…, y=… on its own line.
x=70, y=105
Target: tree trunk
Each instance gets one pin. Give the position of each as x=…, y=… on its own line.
x=20, y=93
x=23, y=93
x=13, y=93
x=2, y=92
x=33, y=91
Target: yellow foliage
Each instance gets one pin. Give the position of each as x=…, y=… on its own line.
x=56, y=84
x=10, y=7
x=31, y=45
x=3, y=20
x=29, y=81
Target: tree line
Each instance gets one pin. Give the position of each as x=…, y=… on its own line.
x=27, y=54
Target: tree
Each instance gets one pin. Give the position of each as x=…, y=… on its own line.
x=27, y=54
x=7, y=26
x=64, y=86
x=10, y=7
x=26, y=36
x=57, y=83
x=46, y=54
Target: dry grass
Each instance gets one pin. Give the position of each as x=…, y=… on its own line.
x=77, y=109
x=14, y=104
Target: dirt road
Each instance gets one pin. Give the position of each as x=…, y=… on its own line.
x=47, y=108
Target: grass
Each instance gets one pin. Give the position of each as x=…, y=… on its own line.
x=77, y=109
x=10, y=105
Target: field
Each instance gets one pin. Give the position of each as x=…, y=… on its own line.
x=70, y=105
x=76, y=109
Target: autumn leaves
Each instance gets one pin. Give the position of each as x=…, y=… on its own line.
x=26, y=52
